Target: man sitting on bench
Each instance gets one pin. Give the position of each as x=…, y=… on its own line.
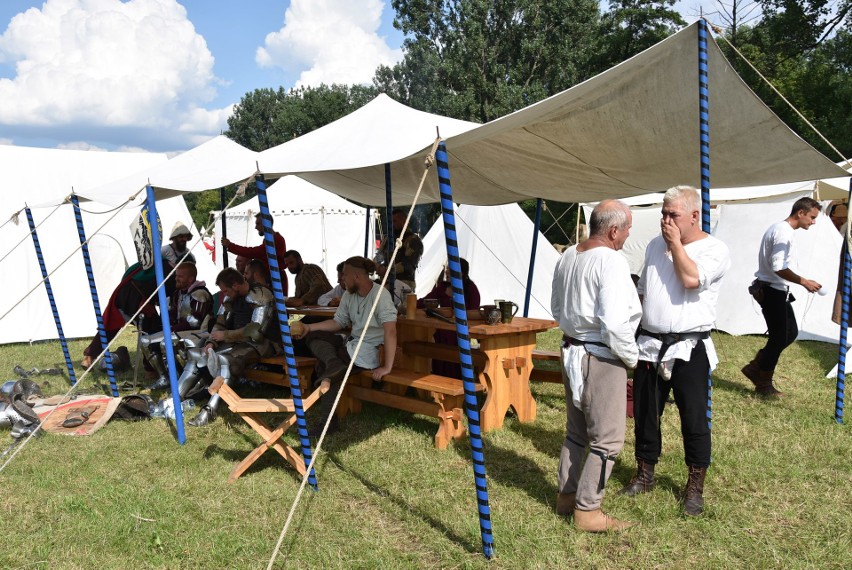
x=334, y=352
x=243, y=334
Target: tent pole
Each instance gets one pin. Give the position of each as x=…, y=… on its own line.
x=536, y=227
x=68, y=363
x=156, y=244
x=844, y=324
x=224, y=218
x=367, y=234
x=471, y=407
x=704, y=127
x=284, y=327
x=391, y=239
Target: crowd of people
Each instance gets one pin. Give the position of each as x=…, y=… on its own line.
x=656, y=329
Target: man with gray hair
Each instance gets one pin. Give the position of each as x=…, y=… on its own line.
x=598, y=310
x=679, y=286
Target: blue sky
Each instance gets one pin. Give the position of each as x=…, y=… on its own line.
x=163, y=75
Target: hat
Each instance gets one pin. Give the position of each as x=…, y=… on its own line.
x=180, y=230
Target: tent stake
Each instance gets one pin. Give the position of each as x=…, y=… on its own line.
x=470, y=404
x=53, y=308
x=156, y=245
x=284, y=327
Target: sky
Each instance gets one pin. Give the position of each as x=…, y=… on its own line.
x=164, y=75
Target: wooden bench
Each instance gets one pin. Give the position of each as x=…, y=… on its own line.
x=544, y=375
x=304, y=369
x=250, y=410
x=445, y=399
x=443, y=352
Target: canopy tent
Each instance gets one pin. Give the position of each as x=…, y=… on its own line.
x=630, y=130
x=496, y=241
x=42, y=176
x=323, y=227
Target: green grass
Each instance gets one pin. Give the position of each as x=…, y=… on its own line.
x=129, y=496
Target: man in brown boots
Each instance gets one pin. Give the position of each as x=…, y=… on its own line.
x=598, y=310
x=679, y=286
x=771, y=289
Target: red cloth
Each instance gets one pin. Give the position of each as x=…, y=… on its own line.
x=259, y=252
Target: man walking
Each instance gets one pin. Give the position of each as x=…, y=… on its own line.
x=771, y=289
x=679, y=286
x=598, y=310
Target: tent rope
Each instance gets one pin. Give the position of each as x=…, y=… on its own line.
x=719, y=33
x=13, y=218
x=429, y=161
x=23, y=239
x=129, y=322
x=556, y=220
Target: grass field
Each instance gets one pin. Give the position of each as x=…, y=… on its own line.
x=777, y=494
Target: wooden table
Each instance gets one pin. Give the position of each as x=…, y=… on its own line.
x=312, y=311
x=506, y=375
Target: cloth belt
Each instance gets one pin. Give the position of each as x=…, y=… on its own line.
x=671, y=338
x=568, y=341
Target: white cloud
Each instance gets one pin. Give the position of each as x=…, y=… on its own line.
x=108, y=65
x=329, y=41
x=79, y=145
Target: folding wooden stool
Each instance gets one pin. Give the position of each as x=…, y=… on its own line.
x=250, y=410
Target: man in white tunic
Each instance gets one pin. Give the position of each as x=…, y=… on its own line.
x=771, y=289
x=679, y=286
x=598, y=310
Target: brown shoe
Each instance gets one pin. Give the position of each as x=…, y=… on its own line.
x=598, y=521
x=565, y=503
x=642, y=482
x=693, y=495
x=762, y=380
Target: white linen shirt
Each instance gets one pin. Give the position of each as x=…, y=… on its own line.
x=669, y=307
x=353, y=311
x=594, y=300
x=776, y=253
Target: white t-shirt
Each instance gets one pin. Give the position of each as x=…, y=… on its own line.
x=594, y=300
x=669, y=307
x=776, y=253
x=353, y=311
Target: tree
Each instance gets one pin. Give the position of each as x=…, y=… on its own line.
x=481, y=59
x=265, y=118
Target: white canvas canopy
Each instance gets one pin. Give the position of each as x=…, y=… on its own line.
x=323, y=227
x=630, y=130
x=496, y=241
x=41, y=176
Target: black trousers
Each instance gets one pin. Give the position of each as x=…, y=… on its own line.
x=689, y=383
x=780, y=322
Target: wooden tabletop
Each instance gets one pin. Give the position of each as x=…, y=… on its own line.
x=313, y=310
x=479, y=327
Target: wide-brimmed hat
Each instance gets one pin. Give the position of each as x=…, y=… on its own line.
x=180, y=230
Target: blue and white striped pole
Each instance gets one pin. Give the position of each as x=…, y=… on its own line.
x=50, y=298
x=536, y=227
x=87, y=261
x=844, y=324
x=471, y=406
x=704, y=120
x=156, y=244
x=284, y=326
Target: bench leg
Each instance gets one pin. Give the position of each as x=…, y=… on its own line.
x=451, y=425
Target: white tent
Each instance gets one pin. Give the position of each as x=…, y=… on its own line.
x=39, y=176
x=323, y=227
x=496, y=241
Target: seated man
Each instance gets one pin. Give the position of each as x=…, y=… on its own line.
x=334, y=352
x=173, y=253
x=407, y=258
x=311, y=281
x=190, y=309
x=255, y=272
x=332, y=298
x=242, y=335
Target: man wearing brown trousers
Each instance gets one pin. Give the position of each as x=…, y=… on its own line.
x=598, y=310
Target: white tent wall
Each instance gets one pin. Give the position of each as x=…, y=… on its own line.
x=324, y=228
x=111, y=250
x=496, y=241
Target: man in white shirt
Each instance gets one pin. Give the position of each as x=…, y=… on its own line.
x=771, y=289
x=679, y=287
x=598, y=310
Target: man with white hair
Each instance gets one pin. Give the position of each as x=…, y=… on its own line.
x=679, y=287
x=598, y=310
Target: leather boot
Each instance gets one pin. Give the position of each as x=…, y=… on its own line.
x=565, y=503
x=598, y=521
x=642, y=482
x=752, y=369
x=762, y=379
x=693, y=495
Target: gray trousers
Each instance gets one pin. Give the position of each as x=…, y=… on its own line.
x=598, y=425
